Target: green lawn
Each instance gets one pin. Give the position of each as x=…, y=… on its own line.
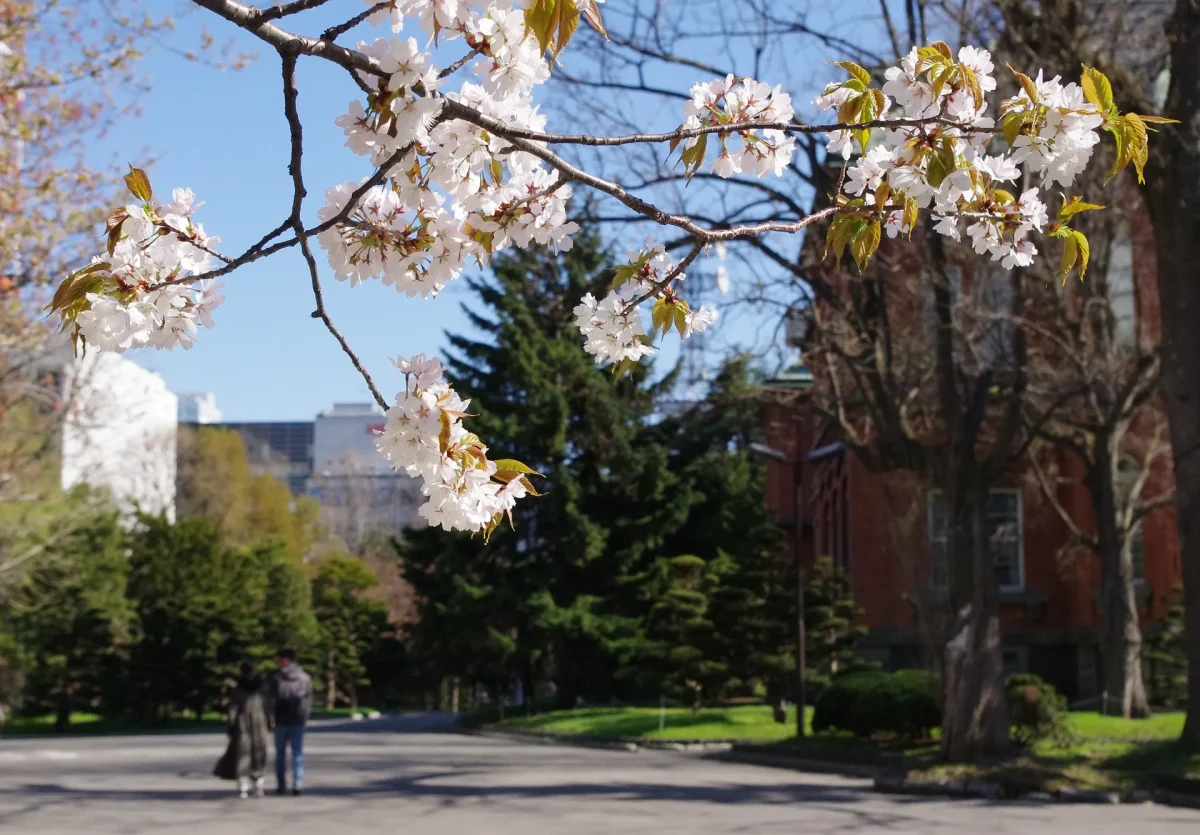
x=1092, y=725
x=1110, y=752
x=755, y=723
x=745, y=722
x=94, y=724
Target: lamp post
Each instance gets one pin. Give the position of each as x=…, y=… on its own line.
x=801, y=652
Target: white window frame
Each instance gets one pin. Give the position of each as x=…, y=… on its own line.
x=1020, y=505
x=1122, y=300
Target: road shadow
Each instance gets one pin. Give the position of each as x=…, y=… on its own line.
x=429, y=786
x=414, y=723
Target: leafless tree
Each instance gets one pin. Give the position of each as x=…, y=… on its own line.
x=360, y=501
x=654, y=43
x=1089, y=340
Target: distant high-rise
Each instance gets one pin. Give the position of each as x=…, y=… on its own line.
x=199, y=408
x=358, y=489
x=334, y=459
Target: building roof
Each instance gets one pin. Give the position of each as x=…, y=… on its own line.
x=794, y=376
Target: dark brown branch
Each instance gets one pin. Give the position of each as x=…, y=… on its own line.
x=295, y=169
x=665, y=282
x=285, y=9
x=334, y=32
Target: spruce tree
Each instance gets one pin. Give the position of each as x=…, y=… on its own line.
x=548, y=600
x=829, y=621
x=728, y=524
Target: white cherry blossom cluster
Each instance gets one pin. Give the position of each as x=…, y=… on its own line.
x=728, y=102
x=459, y=194
x=614, y=327
x=945, y=165
x=425, y=437
x=1066, y=130
x=127, y=303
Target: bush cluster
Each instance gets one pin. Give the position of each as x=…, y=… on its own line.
x=901, y=704
x=1037, y=711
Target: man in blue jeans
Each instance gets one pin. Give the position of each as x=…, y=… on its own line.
x=292, y=699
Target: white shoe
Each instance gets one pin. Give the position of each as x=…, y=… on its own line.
x=259, y=787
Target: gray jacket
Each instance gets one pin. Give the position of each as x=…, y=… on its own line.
x=292, y=696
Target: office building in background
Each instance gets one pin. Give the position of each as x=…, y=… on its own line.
x=332, y=458
x=199, y=408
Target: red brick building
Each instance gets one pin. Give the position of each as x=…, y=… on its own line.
x=886, y=530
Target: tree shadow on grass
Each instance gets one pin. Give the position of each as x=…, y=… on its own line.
x=1165, y=764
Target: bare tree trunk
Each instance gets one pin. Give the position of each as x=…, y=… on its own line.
x=330, y=683
x=62, y=716
x=1174, y=170
x=1120, y=631
x=974, y=713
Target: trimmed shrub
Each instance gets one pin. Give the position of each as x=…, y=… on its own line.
x=832, y=710
x=1037, y=711
x=901, y=704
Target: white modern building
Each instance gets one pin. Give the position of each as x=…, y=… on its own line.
x=344, y=436
x=118, y=429
x=359, y=491
x=199, y=408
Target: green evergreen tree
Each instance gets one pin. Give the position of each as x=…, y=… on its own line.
x=832, y=636
x=548, y=601
x=199, y=612
x=287, y=610
x=71, y=623
x=729, y=525
x=1166, y=650
x=348, y=623
x=674, y=656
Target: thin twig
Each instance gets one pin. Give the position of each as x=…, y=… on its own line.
x=260, y=250
x=295, y=169
x=457, y=65
x=334, y=32
x=284, y=9
x=665, y=282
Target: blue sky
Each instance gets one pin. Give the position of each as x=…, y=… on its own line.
x=222, y=133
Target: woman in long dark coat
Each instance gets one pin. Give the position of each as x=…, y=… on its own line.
x=250, y=726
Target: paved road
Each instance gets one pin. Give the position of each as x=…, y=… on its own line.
x=395, y=776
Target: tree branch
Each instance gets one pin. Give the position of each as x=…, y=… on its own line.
x=295, y=169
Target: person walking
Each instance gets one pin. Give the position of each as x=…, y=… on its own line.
x=292, y=701
x=250, y=723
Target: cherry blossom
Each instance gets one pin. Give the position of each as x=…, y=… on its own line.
x=135, y=295
x=424, y=436
x=449, y=194
x=728, y=102
x=613, y=328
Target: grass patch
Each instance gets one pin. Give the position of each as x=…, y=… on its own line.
x=92, y=724
x=751, y=723
x=1092, y=725
x=1111, y=752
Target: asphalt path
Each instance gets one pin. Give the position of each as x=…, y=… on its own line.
x=406, y=775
